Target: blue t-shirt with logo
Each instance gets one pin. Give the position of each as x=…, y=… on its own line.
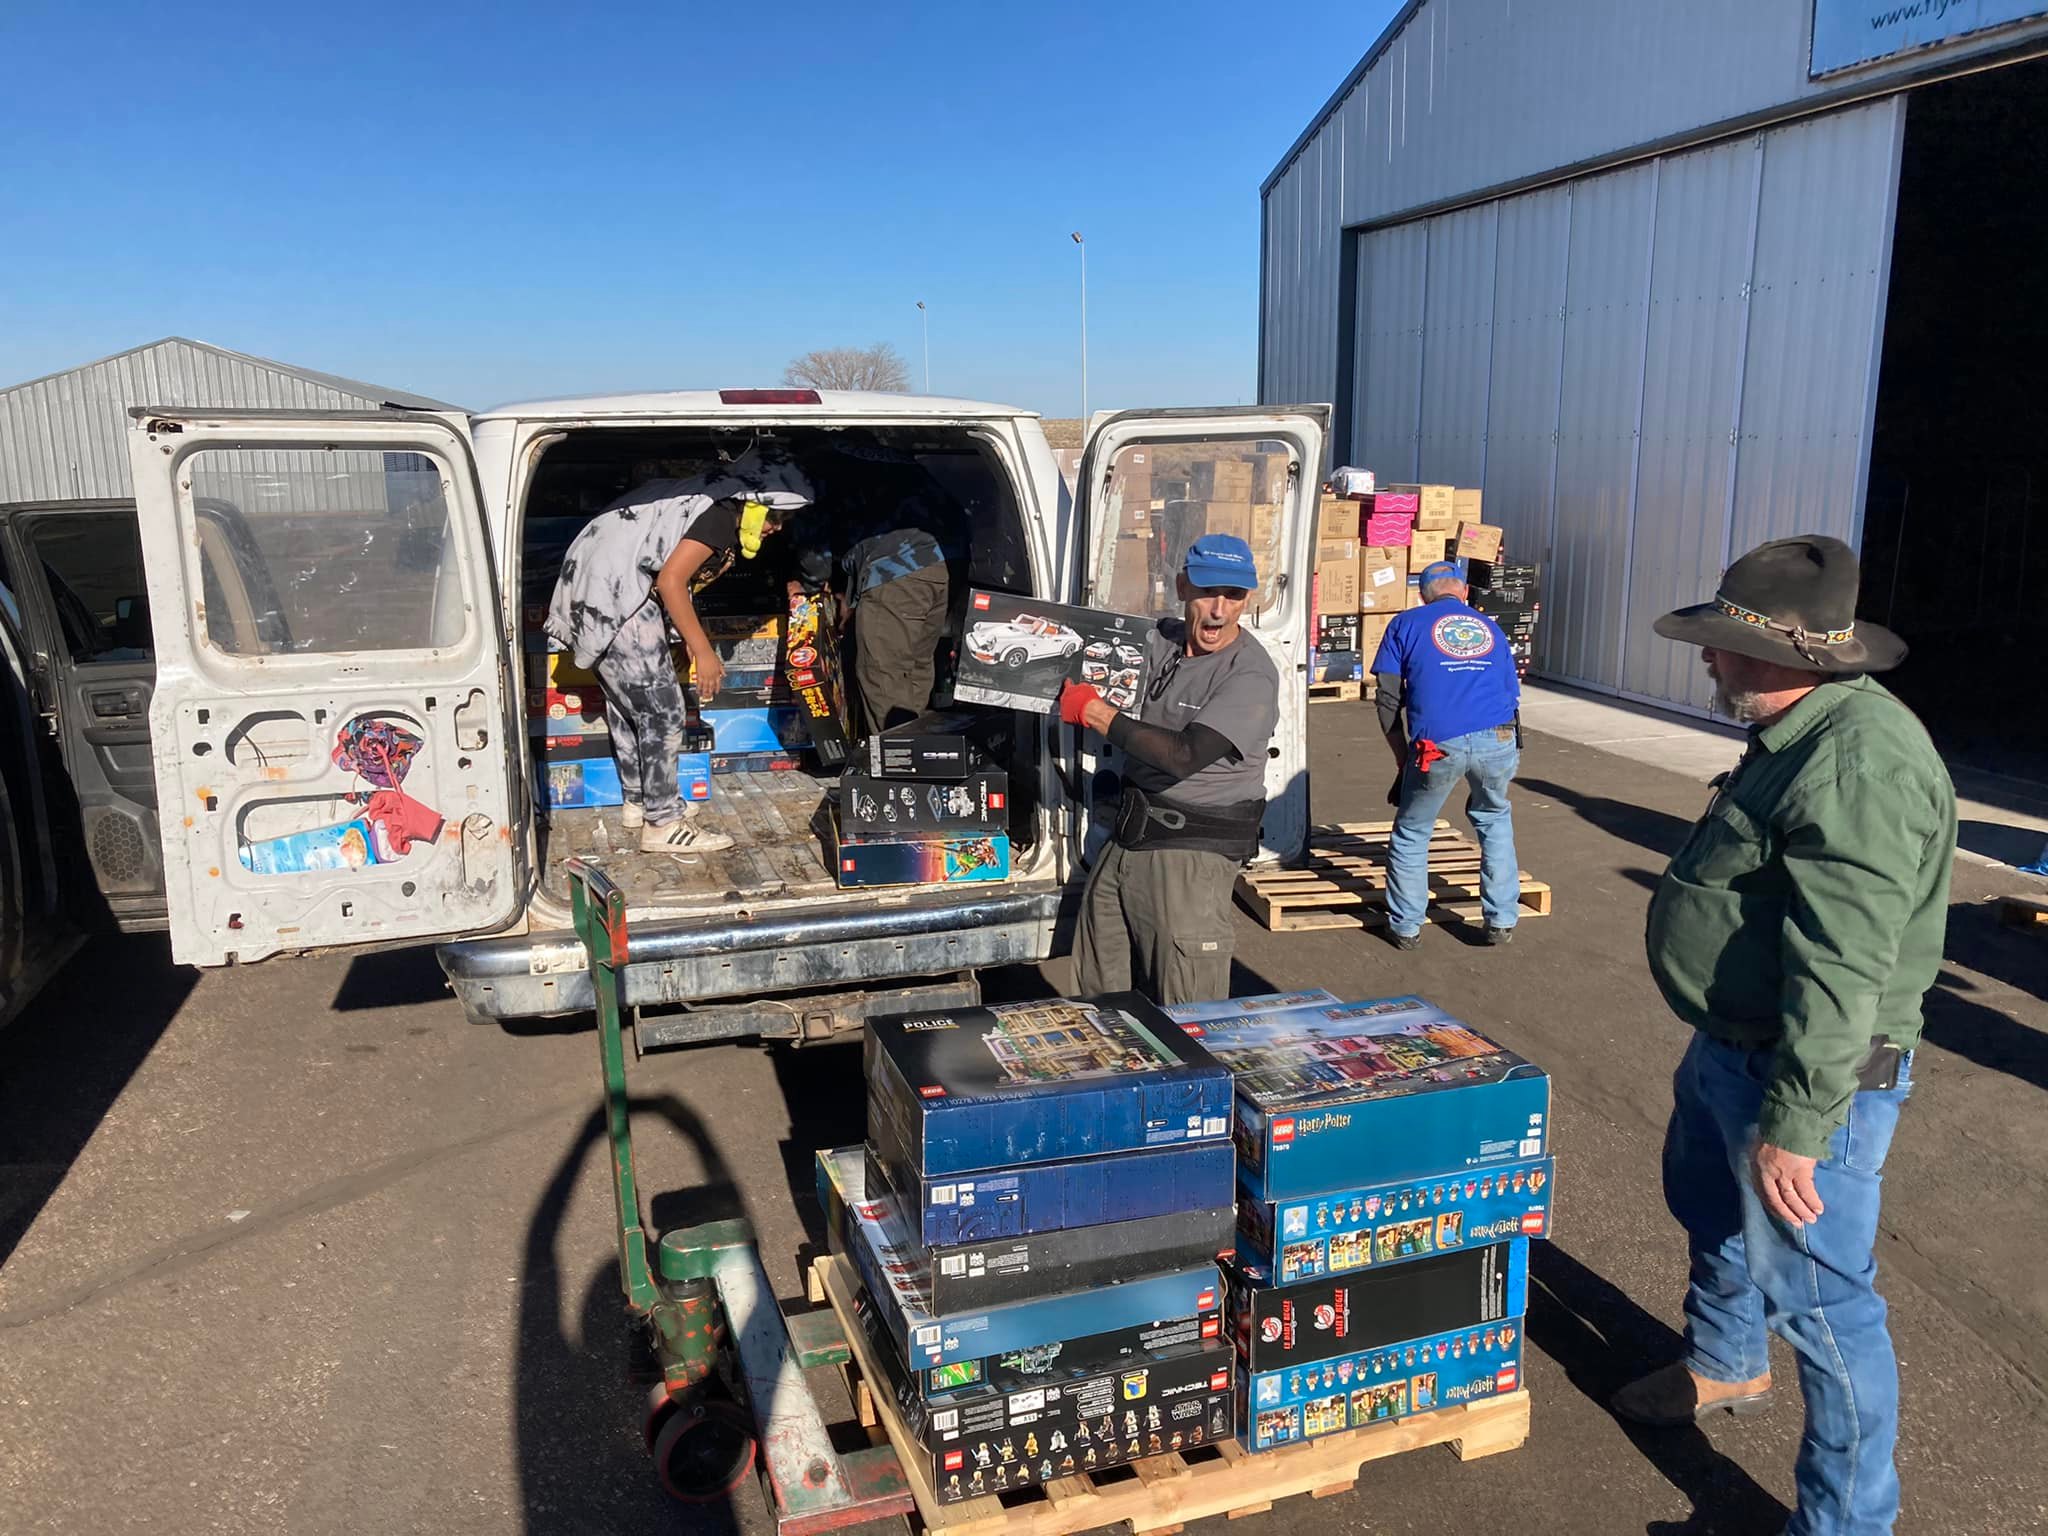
x=1457, y=673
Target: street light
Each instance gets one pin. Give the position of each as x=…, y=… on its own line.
x=1084, y=328
x=924, y=316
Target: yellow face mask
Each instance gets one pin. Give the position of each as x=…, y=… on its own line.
x=753, y=524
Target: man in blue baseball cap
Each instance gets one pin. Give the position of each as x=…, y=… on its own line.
x=1447, y=668
x=1156, y=910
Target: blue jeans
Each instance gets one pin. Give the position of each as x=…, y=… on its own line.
x=1486, y=760
x=1811, y=1285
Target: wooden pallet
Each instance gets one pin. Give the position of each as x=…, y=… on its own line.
x=2023, y=912
x=1341, y=881
x=1161, y=1493
x=1324, y=693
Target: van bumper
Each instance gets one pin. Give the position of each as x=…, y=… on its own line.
x=700, y=960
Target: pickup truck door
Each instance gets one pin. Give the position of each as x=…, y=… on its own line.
x=329, y=730
x=1150, y=483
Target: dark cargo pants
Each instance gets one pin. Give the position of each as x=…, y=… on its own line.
x=1157, y=919
x=896, y=631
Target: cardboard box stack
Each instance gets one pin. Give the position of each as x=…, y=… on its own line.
x=1393, y=1167
x=1034, y=1222
x=1340, y=569
x=925, y=804
x=1402, y=529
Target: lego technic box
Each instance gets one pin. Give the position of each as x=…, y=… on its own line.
x=1442, y=1370
x=1033, y=1082
x=1019, y=652
x=1391, y=1223
x=1019, y=1429
x=1339, y=1096
x=1277, y=1327
x=895, y=1269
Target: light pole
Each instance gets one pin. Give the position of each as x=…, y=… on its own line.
x=924, y=317
x=1084, y=328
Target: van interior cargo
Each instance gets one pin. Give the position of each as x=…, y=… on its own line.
x=774, y=804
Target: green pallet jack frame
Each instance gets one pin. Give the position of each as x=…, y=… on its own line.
x=712, y=1320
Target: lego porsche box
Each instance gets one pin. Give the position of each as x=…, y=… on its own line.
x=1390, y=1223
x=1341, y=1096
x=894, y=809
x=1278, y=1326
x=1019, y=1428
x=1032, y=1082
x=1416, y=1376
x=1020, y=651
x=894, y=1268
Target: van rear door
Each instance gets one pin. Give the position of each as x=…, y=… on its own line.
x=1150, y=484
x=329, y=730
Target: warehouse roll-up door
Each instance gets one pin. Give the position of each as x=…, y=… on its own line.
x=1528, y=350
x=1457, y=342
x=1392, y=264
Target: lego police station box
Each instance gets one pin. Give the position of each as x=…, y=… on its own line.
x=894, y=809
x=1443, y=1370
x=1278, y=1327
x=1391, y=1223
x=1032, y=1082
x=1021, y=1428
x=1019, y=652
x=1344, y=1095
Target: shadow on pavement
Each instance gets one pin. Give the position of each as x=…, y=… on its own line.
x=394, y=978
x=1603, y=1340
x=66, y=1058
x=1658, y=831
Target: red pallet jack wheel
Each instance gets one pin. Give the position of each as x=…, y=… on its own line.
x=704, y=1449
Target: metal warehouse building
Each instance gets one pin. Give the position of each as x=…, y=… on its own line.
x=1670, y=280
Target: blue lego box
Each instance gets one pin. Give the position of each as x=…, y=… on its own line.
x=1049, y=1197
x=582, y=778
x=1350, y=1094
x=1249, y=1007
x=1441, y=1370
x=893, y=1267
x=767, y=728
x=1383, y=1224
x=1014, y=1084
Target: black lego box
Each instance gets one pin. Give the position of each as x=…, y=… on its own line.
x=1337, y=632
x=895, y=809
x=810, y=666
x=964, y=1090
x=1278, y=1326
x=1083, y=1414
x=1019, y=652
x=947, y=744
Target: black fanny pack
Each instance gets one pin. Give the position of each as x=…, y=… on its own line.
x=1231, y=830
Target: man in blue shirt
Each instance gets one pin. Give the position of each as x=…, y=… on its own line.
x=1448, y=668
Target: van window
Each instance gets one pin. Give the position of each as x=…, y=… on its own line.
x=325, y=550
x=92, y=563
x=1164, y=496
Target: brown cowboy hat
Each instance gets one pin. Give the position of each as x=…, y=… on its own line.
x=1791, y=601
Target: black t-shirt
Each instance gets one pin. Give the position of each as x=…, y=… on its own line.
x=717, y=528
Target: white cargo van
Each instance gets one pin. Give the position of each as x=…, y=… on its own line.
x=306, y=571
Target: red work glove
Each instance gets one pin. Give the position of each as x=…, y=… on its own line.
x=1075, y=697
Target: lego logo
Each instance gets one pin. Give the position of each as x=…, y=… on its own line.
x=995, y=801
x=1211, y=1328
x=1192, y=1029
x=1205, y=1301
x=955, y=1460
x=1532, y=1223
x=846, y=866
x=1504, y=1379
x=1218, y=1380
x=1283, y=1132
x=934, y=1091
x=981, y=601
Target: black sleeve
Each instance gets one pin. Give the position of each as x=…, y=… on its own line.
x=1179, y=753
x=1387, y=696
x=717, y=528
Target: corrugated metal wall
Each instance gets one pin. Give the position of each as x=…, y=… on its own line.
x=65, y=438
x=1648, y=371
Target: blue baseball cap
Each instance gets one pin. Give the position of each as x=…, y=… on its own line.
x=1221, y=560
x=1441, y=570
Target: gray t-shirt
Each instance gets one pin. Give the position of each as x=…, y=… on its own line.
x=1235, y=693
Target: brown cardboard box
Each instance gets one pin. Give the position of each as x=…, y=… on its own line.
x=1465, y=505
x=1337, y=578
x=1382, y=579
x=1265, y=534
x=1231, y=517
x=1436, y=505
x=1336, y=549
x=1337, y=518
x=1427, y=549
x=1269, y=476
x=1221, y=480
x=1372, y=629
x=1478, y=541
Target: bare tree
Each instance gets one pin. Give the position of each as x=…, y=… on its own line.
x=878, y=367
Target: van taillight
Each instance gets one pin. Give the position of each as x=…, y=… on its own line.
x=769, y=397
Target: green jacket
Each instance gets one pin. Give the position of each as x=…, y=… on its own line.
x=1806, y=911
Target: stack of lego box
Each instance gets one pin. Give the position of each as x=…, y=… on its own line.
x=1508, y=594
x=1393, y=1167
x=924, y=804
x=1035, y=1223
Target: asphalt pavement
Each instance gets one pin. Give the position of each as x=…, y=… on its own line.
x=296, y=1249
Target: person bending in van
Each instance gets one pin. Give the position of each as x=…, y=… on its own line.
x=1156, y=910
x=628, y=577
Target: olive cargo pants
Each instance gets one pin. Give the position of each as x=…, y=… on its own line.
x=1157, y=920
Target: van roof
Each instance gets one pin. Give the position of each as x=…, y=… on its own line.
x=707, y=402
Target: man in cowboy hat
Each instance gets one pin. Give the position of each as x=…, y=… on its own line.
x=1797, y=931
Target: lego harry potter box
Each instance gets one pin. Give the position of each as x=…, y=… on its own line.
x=1339, y=1096
x=1034, y=1082
x=1019, y=652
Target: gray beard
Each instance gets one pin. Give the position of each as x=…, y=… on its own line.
x=1741, y=707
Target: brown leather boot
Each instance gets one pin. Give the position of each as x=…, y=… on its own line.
x=1674, y=1396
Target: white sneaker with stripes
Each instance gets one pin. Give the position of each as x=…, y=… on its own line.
x=682, y=837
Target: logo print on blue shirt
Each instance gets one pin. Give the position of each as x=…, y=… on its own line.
x=1462, y=636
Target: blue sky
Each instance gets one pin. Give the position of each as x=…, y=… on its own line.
x=489, y=203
